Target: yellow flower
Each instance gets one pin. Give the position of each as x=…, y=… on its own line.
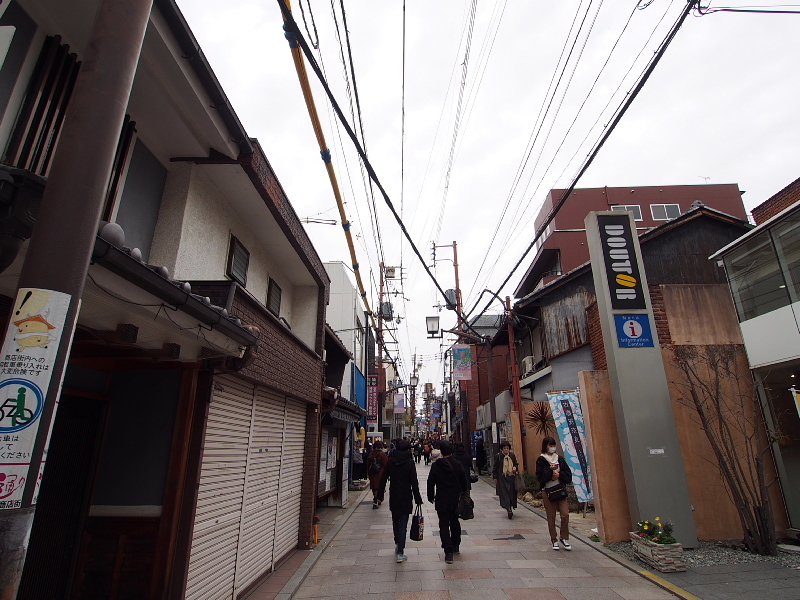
x=658, y=518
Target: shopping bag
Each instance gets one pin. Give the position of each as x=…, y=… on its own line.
x=417, y=525
x=465, y=507
x=519, y=483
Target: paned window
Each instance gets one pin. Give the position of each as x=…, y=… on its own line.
x=664, y=212
x=634, y=208
x=274, y=298
x=786, y=236
x=238, y=261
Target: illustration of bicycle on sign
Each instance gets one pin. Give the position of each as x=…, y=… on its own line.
x=20, y=405
x=14, y=409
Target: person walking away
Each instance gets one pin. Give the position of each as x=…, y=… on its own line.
x=436, y=453
x=461, y=455
x=504, y=475
x=480, y=456
x=376, y=465
x=552, y=469
x=446, y=482
x=402, y=474
x=418, y=451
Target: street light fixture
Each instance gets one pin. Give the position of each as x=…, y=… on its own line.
x=413, y=381
x=432, y=324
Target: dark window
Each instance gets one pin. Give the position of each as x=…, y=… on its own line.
x=238, y=261
x=20, y=27
x=634, y=208
x=274, y=298
x=39, y=122
x=664, y=212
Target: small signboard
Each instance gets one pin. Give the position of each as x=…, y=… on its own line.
x=633, y=331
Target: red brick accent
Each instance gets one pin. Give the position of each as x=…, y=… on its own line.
x=596, y=337
x=780, y=201
x=659, y=314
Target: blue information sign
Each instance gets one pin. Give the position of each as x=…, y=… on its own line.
x=633, y=331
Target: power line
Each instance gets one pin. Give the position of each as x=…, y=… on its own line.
x=609, y=130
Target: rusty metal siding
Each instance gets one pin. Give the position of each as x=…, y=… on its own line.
x=564, y=323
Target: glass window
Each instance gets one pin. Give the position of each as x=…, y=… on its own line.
x=664, y=212
x=274, y=298
x=634, y=208
x=755, y=277
x=786, y=236
x=238, y=261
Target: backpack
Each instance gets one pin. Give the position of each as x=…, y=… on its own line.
x=375, y=467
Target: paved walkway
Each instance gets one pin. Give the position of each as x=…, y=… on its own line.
x=499, y=559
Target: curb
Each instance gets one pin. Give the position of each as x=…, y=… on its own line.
x=304, y=569
x=660, y=582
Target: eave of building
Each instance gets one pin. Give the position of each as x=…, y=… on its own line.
x=755, y=231
x=337, y=342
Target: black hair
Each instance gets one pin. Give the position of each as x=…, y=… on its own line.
x=402, y=445
x=548, y=441
x=446, y=448
x=378, y=445
x=459, y=446
x=504, y=444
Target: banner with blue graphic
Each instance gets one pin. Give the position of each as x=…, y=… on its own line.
x=568, y=417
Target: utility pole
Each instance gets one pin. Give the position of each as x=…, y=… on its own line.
x=515, y=391
x=58, y=256
x=458, y=287
x=381, y=369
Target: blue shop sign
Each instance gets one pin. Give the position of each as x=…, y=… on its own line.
x=633, y=331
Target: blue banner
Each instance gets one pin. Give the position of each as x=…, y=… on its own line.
x=568, y=417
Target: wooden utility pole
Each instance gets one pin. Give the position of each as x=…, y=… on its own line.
x=515, y=391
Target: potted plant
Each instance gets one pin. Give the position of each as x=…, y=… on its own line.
x=653, y=544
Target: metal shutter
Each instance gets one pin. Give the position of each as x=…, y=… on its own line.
x=291, y=479
x=212, y=562
x=261, y=498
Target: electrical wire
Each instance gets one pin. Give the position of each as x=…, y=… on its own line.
x=607, y=133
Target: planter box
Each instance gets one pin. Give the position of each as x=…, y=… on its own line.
x=667, y=558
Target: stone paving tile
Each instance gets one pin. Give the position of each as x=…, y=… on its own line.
x=534, y=594
x=643, y=593
x=395, y=586
x=564, y=572
x=435, y=595
x=468, y=574
x=491, y=584
x=531, y=564
x=590, y=594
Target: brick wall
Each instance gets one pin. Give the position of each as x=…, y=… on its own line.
x=660, y=314
x=596, y=337
x=780, y=201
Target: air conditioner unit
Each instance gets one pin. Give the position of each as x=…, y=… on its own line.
x=527, y=366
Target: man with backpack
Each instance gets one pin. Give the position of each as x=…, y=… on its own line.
x=446, y=482
x=376, y=465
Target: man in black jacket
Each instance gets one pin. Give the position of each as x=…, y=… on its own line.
x=403, y=473
x=446, y=481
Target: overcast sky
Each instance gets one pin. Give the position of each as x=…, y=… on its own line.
x=721, y=107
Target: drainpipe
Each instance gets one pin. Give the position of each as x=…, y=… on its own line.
x=66, y=226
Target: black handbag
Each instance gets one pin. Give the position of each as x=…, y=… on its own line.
x=556, y=492
x=473, y=478
x=417, y=525
x=465, y=507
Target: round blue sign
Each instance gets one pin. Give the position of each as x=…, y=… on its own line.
x=21, y=404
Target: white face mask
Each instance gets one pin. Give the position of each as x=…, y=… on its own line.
x=551, y=449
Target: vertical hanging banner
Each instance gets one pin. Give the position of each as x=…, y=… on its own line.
x=26, y=362
x=399, y=404
x=462, y=362
x=568, y=417
x=437, y=411
x=372, y=399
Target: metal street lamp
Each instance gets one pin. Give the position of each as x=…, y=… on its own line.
x=413, y=381
x=432, y=324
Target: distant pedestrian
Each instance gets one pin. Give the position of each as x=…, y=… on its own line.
x=426, y=452
x=403, y=476
x=436, y=453
x=480, y=456
x=418, y=451
x=461, y=455
x=376, y=465
x=446, y=482
x=552, y=471
x=504, y=474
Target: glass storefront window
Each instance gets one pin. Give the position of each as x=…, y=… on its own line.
x=755, y=277
x=786, y=236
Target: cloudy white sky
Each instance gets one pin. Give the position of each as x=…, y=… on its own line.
x=721, y=107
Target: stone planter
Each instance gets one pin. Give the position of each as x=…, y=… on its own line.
x=667, y=558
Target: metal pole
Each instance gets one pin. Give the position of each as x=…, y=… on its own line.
x=515, y=391
x=63, y=239
x=492, y=404
x=458, y=287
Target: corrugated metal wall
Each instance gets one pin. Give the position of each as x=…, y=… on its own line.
x=564, y=323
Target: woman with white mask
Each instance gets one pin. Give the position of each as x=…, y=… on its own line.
x=504, y=474
x=554, y=474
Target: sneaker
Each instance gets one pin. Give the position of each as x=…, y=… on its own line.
x=566, y=545
x=401, y=558
x=556, y=546
x=448, y=558
x=374, y=505
x=456, y=550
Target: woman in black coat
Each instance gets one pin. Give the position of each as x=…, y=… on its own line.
x=403, y=474
x=504, y=474
x=462, y=456
x=480, y=456
x=552, y=470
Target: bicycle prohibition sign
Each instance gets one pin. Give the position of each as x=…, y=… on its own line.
x=21, y=403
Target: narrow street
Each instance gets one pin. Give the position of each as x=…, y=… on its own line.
x=499, y=559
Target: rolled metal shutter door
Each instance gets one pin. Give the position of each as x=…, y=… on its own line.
x=291, y=480
x=212, y=563
x=261, y=497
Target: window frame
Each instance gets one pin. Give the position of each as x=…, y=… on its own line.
x=271, y=287
x=666, y=215
x=624, y=207
x=234, y=244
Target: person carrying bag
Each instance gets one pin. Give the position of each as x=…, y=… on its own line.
x=554, y=474
x=417, y=525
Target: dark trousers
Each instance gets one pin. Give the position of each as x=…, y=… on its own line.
x=400, y=527
x=449, y=529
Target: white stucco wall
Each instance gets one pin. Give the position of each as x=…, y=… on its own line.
x=192, y=240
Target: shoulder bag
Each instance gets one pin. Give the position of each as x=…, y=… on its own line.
x=556, y=492
x=465, y=507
